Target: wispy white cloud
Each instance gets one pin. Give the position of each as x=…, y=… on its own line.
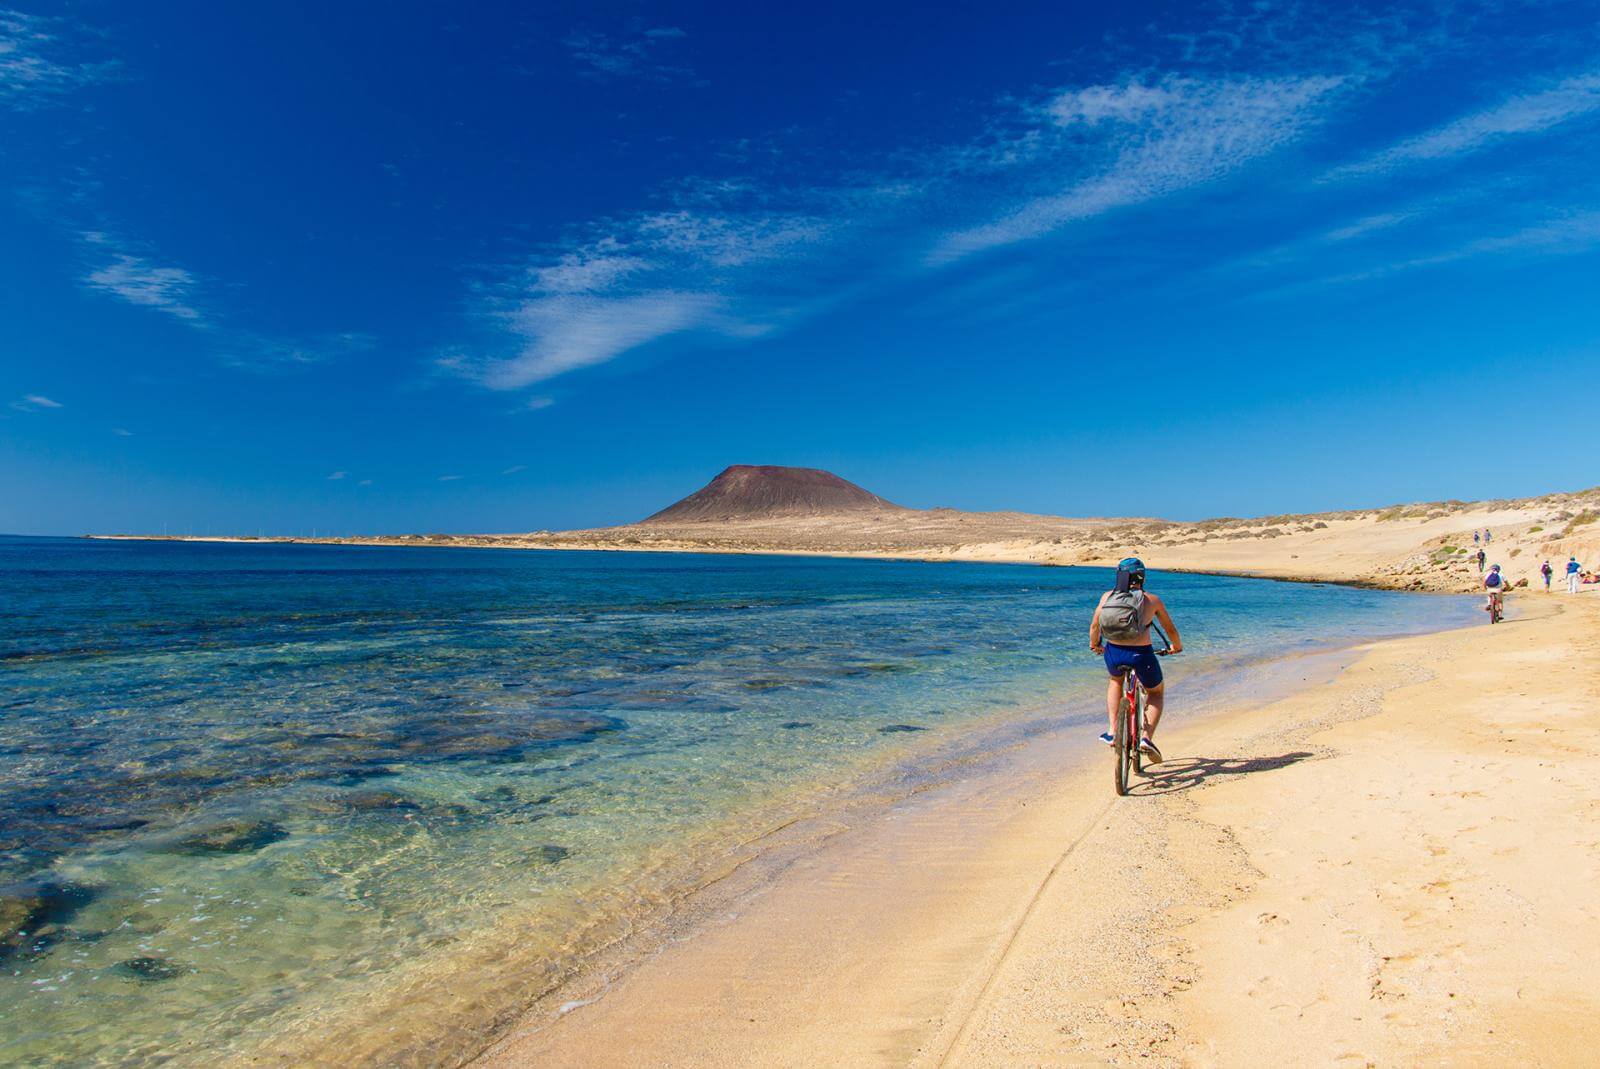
x=336, y=476
x=600, y=266
x=743, y=254
x=134, y=274
x=728, y=241
x=514, y=469
x=122, y=432
x=636, y=52
x=568, y=331
x=35, y=402
x=364, y=482
x=449, y=478
x=741, y=258
x=634, y=281
x=1569, y=233
x=1369, y=224
x=1527, y=113
x=139, y=281
x=1566, y=234
x=1160, y=139
x=36, y=60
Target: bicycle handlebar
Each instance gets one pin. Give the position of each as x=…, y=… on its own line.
x=1167, y=642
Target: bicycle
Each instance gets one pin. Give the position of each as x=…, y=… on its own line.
x=1496, y=607
x=1129, y=726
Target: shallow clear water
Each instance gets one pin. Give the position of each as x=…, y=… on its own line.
x=246, y=791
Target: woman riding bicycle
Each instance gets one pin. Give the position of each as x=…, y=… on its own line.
x=1120, y=630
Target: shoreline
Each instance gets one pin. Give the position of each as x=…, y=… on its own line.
x=992, y=955
x=1016, y=758
x=1421, y=548
x=840, y=554
x=756, y=850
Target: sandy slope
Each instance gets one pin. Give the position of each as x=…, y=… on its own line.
x=1392, y=867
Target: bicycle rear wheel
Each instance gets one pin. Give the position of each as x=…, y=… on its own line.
x=1136, y=728
x=1119, y=742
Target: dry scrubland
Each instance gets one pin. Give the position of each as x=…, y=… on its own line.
x=1415, y=547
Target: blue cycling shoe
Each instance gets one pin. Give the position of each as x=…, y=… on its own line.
x=1105, y=737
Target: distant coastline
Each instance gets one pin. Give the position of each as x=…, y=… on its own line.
x=1419, y=547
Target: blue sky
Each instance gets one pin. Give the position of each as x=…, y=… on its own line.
x=403, y=267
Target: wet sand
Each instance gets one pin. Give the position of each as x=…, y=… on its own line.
x=1393, y=865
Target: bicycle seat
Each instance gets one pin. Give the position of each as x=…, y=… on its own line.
x=1122, y=669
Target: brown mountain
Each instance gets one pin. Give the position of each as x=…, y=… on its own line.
x=757, y=492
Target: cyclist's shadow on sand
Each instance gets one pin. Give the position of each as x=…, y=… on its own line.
x=1186, y=773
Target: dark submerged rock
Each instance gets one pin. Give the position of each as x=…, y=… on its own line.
x=30, y=910
x=230, y=837
x=890, y=729
x=367, y=801
x=149, y=970
x=551, y=854
x=792, y=725
x=764, y=684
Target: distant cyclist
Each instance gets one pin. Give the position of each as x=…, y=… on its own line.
x=1494, y=585
x=1120, y=630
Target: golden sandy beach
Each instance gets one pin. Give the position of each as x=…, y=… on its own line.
x=1385, y=861
x=1393, y=866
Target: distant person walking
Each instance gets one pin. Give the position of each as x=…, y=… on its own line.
x=1482, y=556
x=1573, y=568
x=1546, y=571
x=1486, y=536
x=1474, y=536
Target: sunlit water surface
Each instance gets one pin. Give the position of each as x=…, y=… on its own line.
x=248, y=793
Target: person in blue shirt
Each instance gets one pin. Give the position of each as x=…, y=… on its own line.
x=1573, y=568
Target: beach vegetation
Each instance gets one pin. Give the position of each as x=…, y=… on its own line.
x=1536, y=528
x=1582, y=519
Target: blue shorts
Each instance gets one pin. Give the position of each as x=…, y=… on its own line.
x=1142, y=659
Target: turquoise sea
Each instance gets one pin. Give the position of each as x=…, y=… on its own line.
x=254, y=796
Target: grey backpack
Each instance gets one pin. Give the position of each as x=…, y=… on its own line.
x=1122, y=616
